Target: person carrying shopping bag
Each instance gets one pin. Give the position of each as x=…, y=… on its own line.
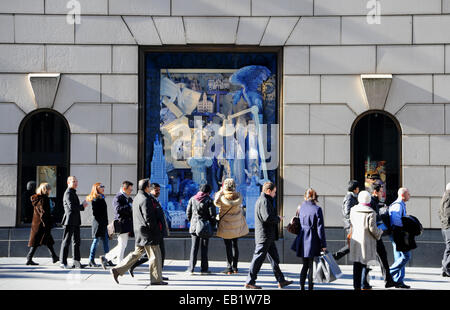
x=310, y=240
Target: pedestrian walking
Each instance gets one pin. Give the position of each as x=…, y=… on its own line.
x=123, y=212
x=350, y=200
x=232, y=223
x=377, y=193
x=444, y=216
x=154, y=193
x=71, y=222
x=99, y=221
x=200, y=208
x=266, y=233
x=364, y=234
x=148, y=232
x=402, y=253
x=311, y=240
x=27, y=206
x=41, y=224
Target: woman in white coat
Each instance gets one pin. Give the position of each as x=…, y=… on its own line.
x=363, y=237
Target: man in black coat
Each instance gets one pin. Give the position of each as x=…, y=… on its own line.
x=377, y=193
x=71, y=222
x=266, y=233
x=350, y=200
x=147, y=234
x=154, y=194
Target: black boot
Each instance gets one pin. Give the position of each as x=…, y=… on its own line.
x=93, y=264
x=30, y=256
x=55, y=257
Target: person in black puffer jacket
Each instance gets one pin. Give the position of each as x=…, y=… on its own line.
x=200, y=207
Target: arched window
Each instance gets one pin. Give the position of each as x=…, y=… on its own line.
x=376, y=151
x=44, y=156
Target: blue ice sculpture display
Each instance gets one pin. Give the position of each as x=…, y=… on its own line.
x=159, y=172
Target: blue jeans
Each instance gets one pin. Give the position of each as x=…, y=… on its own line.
x=397, y=269
x=95, y=243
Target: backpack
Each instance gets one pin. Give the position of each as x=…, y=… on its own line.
x=385, y=218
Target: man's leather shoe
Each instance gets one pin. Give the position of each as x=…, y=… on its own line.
x=402, y=285
x=284, y=283
x=78, y=265
x=30, y=262
x=131, y=271
x=252, y=287
x=115, y=274
x=444, y=274
x=159, y=283
x=390, y=284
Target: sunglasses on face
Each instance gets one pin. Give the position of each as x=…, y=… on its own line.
x=101, y=186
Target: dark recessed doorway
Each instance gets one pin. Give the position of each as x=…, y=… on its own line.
x=44, y=156
x=376, y=151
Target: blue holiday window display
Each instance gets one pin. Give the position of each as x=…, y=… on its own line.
x=213, y=124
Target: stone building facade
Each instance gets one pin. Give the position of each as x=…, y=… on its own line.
x=327, y=45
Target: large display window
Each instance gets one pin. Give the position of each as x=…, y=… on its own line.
x=207, y=116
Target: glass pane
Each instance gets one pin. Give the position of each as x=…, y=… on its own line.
x=376, y=152
x=212, y=125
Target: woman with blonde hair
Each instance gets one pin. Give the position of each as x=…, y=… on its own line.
x=41, y=224
x=99, y=222
x=232, y=222
x=311, y=239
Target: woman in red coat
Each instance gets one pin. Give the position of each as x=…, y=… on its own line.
x=41, y=224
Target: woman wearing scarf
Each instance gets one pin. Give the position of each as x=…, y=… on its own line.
x=200, y=207
x=364, y=234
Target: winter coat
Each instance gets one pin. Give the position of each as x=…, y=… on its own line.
x=41, y=224
x=123, y=212
x=161, y=217
x=145, y=221
x=232, y=223
x=311, y=238
x=444, y=211
x=266, y=220
x=364, y=235
x=100, y=220
x=203, y=209
x=350, y=200
x=404, y=237
x=72, y=208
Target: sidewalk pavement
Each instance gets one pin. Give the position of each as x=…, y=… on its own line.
x=15, y=275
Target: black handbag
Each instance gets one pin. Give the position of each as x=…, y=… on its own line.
x=114, y=229
x=294, y=225
x=203, y=229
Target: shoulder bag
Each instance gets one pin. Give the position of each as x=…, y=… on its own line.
x=114, y=229
x=294, y=225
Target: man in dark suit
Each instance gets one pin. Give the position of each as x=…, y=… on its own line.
x=266, y=233
x=147, y=233
x=71, y=222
